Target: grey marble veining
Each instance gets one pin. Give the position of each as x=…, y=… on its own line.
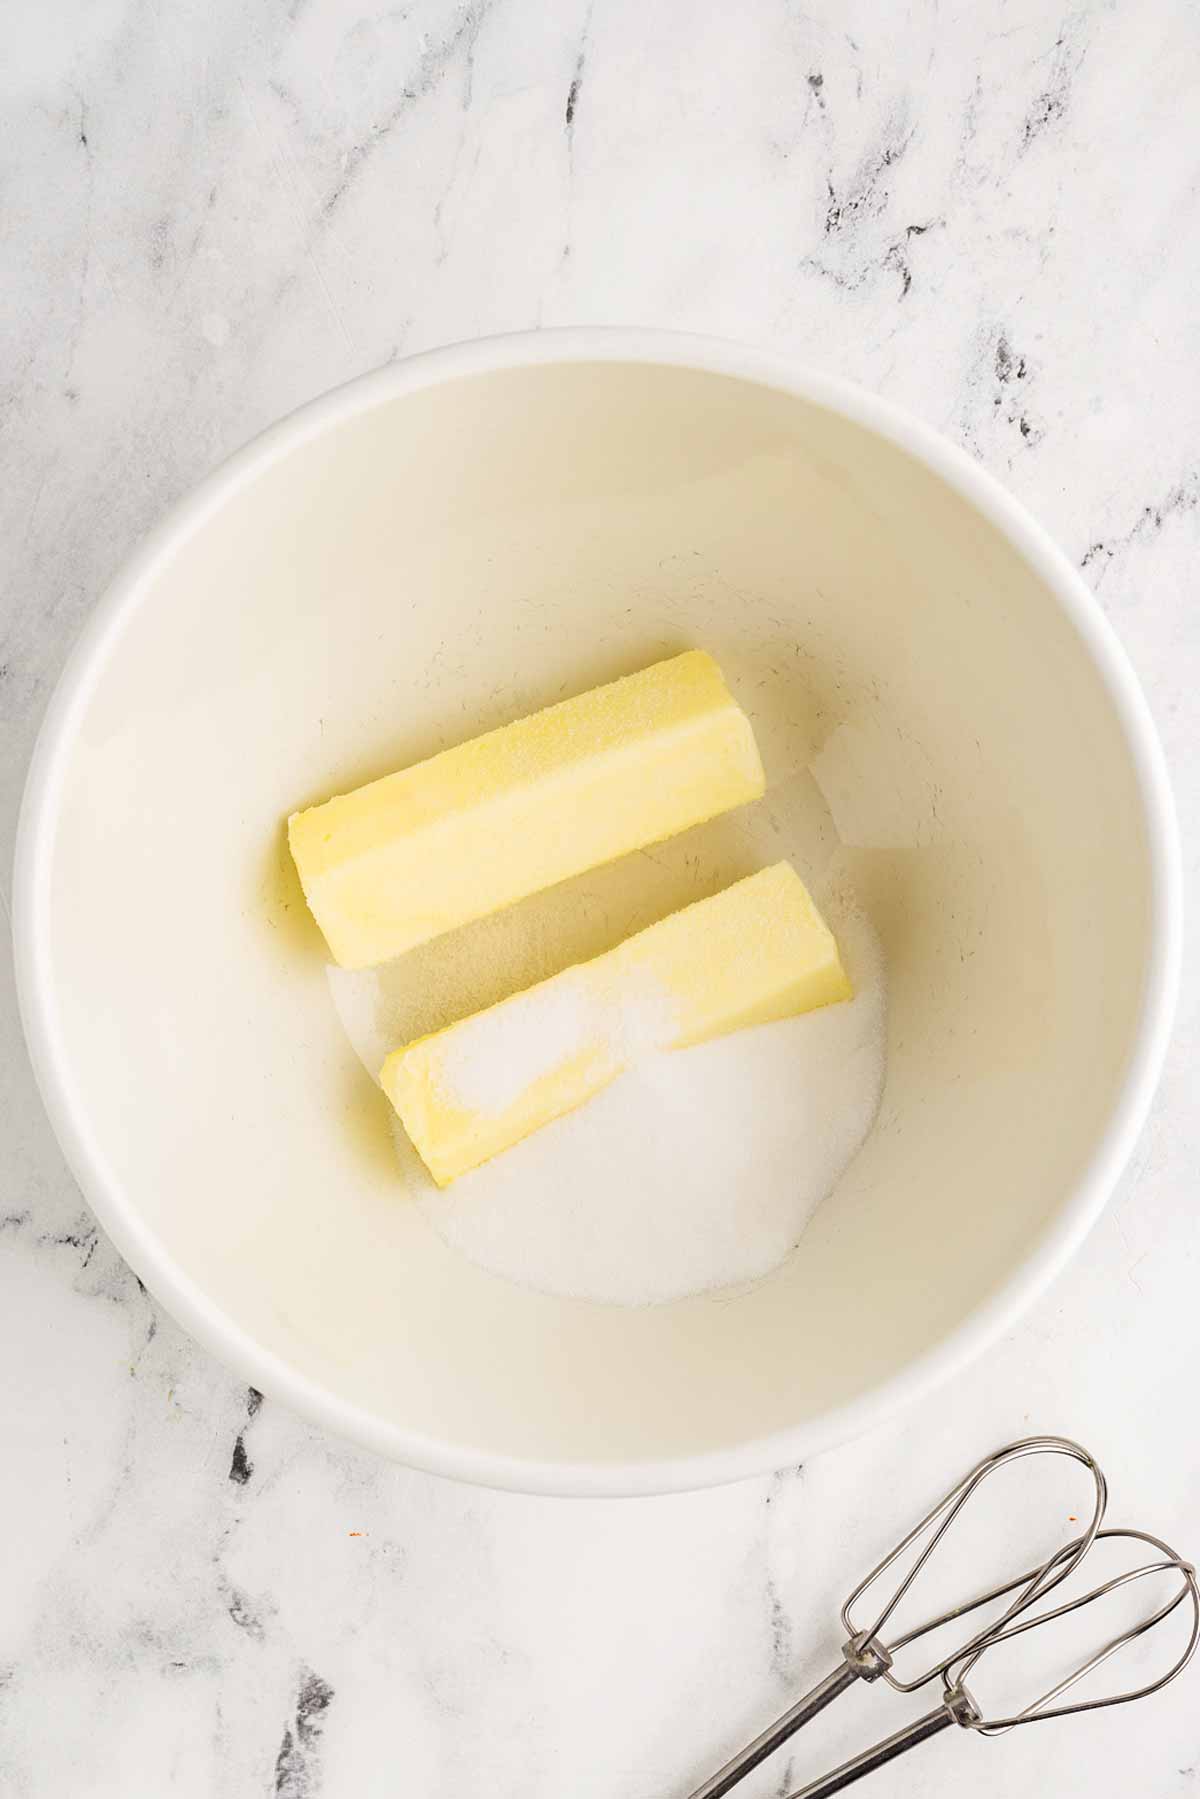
x=988, y=213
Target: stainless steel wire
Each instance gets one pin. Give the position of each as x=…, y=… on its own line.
x=1027, y=1587
x=867, y=1657
x=960, y=1707
x=1039, y=1709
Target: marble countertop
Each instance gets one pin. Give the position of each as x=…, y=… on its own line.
x=214, y=210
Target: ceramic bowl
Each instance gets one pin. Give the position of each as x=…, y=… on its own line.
x=462, y=538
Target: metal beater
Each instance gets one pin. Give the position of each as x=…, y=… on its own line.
x=866, y=1657
x=959, y=1707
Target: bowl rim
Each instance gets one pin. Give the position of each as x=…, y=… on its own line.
x=262, y=1367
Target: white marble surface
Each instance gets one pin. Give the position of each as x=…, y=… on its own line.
x=214, y=210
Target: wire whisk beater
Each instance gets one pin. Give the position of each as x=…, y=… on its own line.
x=959, y=1706
x=868, y=1656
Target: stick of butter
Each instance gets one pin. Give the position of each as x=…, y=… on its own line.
x=755, y=952
x=480, y=826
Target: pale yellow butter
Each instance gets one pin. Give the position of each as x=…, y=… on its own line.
x=481, y=826
x=756, y=952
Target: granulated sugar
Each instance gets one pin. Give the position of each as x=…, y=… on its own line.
x=696, y=1169
x=494, y=1057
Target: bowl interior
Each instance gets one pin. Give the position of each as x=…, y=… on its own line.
x=449, y=558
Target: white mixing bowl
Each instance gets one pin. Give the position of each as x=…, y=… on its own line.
x=460, y=539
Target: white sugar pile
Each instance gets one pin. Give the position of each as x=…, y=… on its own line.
x=495, y=1056
x=697, y=1169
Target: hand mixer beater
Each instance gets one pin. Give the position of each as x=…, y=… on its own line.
x=867, y=1656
